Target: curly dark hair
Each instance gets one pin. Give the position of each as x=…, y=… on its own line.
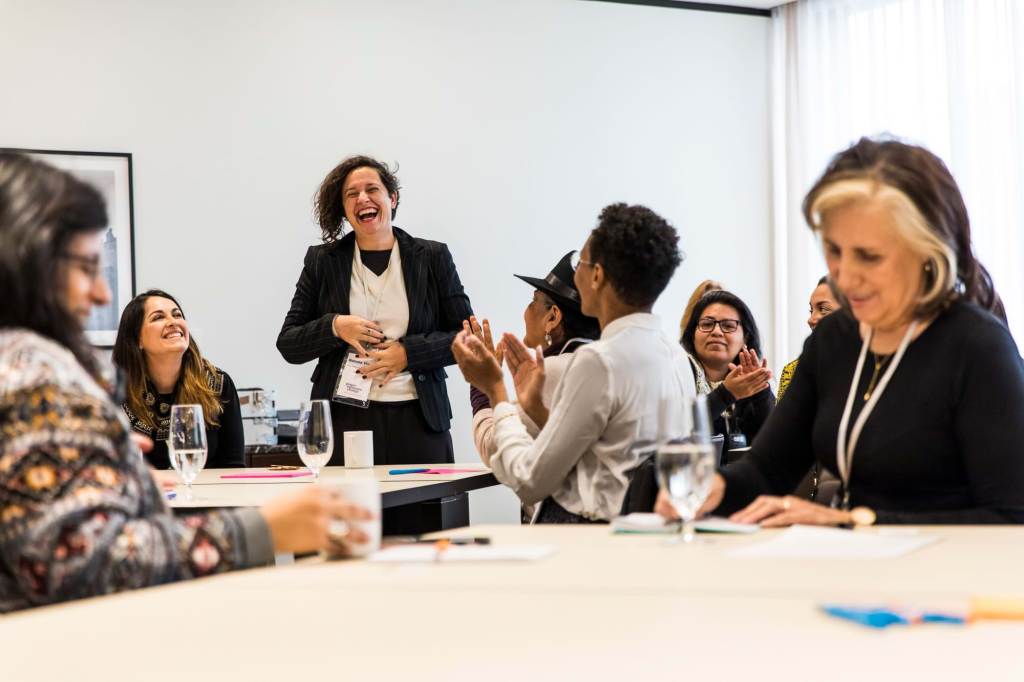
x=41, y=210
x=751, y=336
x=639, y=251
x=329, y=205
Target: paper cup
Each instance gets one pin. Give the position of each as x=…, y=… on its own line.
x=358, y=449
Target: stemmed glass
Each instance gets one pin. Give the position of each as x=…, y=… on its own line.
x=686, y=467
x=186, y=443
x=315, y=436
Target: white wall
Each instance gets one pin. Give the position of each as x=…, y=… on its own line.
x=514, y=122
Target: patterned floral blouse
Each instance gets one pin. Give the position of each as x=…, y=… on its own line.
x=80, y=514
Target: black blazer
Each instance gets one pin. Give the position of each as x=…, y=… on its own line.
x=437, y=306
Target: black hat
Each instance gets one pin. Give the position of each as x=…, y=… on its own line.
x=558, y=284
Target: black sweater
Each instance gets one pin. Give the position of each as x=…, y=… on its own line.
x=225, y=442
x=944, y=443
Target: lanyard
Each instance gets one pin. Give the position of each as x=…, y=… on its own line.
x=844, y=455
x=361, y=274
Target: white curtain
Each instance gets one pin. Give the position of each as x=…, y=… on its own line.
x=948, y=74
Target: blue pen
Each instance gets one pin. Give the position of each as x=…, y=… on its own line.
x=883, y=618
x=395, y=472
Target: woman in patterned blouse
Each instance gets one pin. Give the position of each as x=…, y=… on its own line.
x=163, y=367
x=80, y=514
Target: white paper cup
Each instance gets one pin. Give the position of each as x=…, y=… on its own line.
x=358, y=449
x=361, y=488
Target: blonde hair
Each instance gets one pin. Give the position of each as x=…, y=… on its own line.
x=702, y=288
x=940, y=266
x=927, y=207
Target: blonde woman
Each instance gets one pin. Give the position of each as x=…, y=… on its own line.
x=913, y=393
x=163, y=367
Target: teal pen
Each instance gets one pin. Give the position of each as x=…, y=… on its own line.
x=395, y=472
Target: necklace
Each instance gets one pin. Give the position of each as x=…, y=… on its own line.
x=880, y=362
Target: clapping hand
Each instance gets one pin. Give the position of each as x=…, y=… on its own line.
x=479, y=365
x=484, y=334
x=748, y=378
x=528, y=376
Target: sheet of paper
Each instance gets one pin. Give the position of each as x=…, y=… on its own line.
x=420, y=553
x=812, y=542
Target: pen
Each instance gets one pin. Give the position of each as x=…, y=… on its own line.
x=395, y=472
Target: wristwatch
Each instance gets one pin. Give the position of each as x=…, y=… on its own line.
x=862, y=516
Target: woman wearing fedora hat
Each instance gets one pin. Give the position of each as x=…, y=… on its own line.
x=554, y=322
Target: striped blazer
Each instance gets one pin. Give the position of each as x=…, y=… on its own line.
x=437, y=306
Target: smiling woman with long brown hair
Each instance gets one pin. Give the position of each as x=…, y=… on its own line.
x=163, y=367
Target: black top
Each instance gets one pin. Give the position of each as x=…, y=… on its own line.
x=942, y=445
x=376, y=261
x=225, y=443
x=748, y=415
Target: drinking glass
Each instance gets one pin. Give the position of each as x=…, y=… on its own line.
x=186, y=443
x=686, y=467
x=315, y=436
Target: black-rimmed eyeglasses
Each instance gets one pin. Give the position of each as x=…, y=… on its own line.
x=707, y=325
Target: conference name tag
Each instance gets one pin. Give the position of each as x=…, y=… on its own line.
x=353, y=388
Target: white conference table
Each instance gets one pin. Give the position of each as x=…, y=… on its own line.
x=603, y=607
x=210, y=489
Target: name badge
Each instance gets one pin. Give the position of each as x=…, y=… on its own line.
x=352, y=387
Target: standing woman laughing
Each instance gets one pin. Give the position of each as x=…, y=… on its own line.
x=382, y=306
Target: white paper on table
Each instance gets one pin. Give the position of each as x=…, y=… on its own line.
x=813, y=542
x=640, y=522
x=429, y=553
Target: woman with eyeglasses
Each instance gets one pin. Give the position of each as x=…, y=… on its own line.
x=724, y=346
x=80, y=513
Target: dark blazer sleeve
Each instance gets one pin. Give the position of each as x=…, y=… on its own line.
x=753, y=412
x=433, y=350
x=230, y=438
x=306, y=335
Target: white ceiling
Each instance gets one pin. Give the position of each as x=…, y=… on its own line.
x=756, y=4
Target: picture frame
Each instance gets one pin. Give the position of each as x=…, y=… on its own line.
x=111, y=174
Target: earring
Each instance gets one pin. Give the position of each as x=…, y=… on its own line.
x=547, y=339
x=928, y=267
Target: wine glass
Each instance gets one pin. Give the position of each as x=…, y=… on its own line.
x=686, y=467
x=186, y=443
x=315, y=436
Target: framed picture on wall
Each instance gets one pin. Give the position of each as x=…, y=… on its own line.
x=111, y=174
